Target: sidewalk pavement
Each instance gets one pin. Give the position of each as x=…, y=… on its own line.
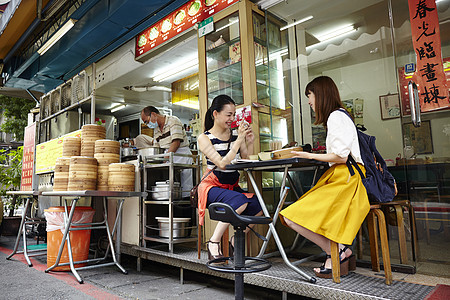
x=156, y=281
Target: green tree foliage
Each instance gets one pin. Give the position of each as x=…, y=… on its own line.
x=10, y=176
x=15, y=111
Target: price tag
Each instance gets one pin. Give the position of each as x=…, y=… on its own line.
x=206, y=26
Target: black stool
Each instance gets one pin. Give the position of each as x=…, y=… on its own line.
x=237, y=265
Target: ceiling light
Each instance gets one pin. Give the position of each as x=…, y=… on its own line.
x=265, y=4
x=117, y=107
x=296, y=23
x=335, y=33
x=147, y=88
x=174, y=71
x=189, y=103
x=58, y=34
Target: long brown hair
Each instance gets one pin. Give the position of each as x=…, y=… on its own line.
x=327, y=98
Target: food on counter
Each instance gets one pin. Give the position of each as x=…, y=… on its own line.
x=166, y=25
x=142, y=40
x=194, y=8
x=209, y=2
x=179, y=17
x=153, y=33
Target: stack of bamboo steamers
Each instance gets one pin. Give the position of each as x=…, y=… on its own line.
x=92, y=163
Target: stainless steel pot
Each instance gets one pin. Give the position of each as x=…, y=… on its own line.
x=180, y=227
x=161, y=191
x=128, y=151
x=150, y=151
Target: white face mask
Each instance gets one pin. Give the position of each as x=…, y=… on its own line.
x=152, y=125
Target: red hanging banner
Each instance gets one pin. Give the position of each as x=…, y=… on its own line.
x=426, y=38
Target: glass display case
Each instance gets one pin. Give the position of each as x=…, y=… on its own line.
x=275, y=114
x=223, y=60
x=270, y=50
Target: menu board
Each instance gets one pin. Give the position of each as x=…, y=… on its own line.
x=176, y=22
x=48, y=152
x=26, y=183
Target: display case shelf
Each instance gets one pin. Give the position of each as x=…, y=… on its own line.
x=231, y=73
x=221, y=49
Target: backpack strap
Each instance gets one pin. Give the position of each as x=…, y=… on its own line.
x=350, y=160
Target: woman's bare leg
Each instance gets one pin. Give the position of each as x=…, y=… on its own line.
x=218, y=232
x=316, y=238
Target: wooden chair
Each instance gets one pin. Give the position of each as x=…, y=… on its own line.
x=397, y=208
x=376, y=214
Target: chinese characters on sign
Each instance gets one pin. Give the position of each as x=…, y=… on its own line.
x=426, y=38
x=176, y=22
x=26, y=183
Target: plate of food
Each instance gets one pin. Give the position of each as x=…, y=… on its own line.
x=209, y=2
x=142, y=40
x=166, y=25
x=153, y=33
x=179, y=17
x=194, y=8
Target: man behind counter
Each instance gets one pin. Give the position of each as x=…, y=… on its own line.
x=169, y=134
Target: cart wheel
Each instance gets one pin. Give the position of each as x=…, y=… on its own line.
x=313, y=280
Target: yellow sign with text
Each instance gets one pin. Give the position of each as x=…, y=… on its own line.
x=48, y=152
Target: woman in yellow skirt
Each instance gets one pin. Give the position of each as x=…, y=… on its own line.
x=336, y=206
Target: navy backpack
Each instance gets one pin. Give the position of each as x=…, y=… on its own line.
x=379, y=183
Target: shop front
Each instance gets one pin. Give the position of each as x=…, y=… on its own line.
x=372, y=50
x=262, y=54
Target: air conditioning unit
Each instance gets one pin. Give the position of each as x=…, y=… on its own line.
x=45, y=106
x=55, y=101
x=79, y=87
x=66, y=94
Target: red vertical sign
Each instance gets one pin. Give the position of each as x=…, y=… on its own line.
x=426, y=38
x=28, y=158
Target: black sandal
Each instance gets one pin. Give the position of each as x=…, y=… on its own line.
x=351, y=259
x=210, y=256
x=328, y=273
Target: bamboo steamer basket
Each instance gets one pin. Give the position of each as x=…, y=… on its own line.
x=61, y=174
x=82, y=173
x=121, y=177
x=102, y=177
x=107, y=146
x=107, y=158
x=71, y=146
x=89, y=134
x=121, y=167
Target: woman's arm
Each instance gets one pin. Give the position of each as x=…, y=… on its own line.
x=329, y=157
x=208, y=149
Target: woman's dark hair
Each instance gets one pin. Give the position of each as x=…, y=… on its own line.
x=217, y=105
x=327, y=98
x=149, y=109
